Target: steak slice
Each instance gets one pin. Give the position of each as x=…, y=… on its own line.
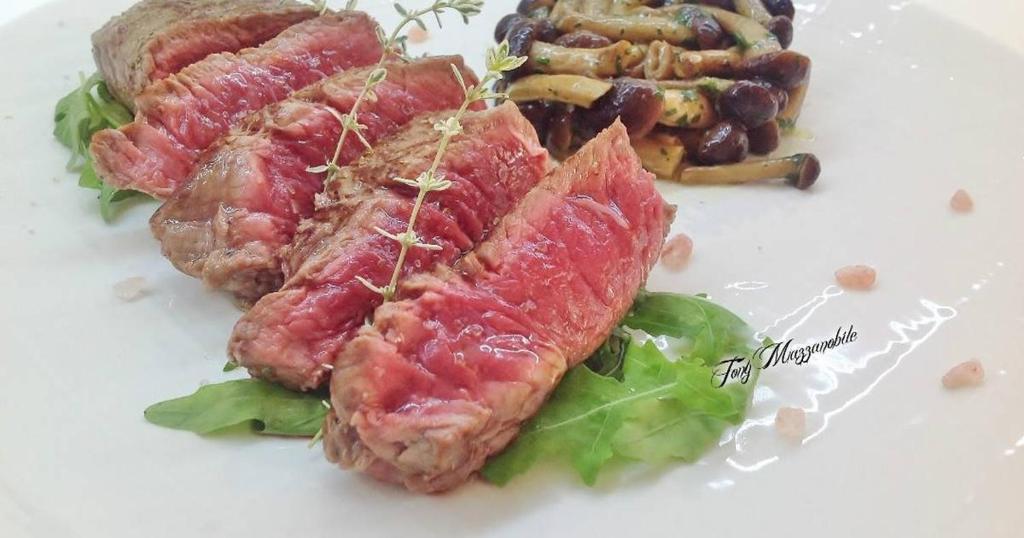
x=293, y=336
x=157, y=38
x=244, y=202
x=182, y=115
x=445, y=377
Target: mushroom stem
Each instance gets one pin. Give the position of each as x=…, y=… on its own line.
x=709, y=85
x=755, y=9
x=688, y=109
x=788, y=117
x=609, y=61
x=665, y=61
x=660, y=154
x=573, y=89
x=754, y=38
x=635, y=28
x=799, y=170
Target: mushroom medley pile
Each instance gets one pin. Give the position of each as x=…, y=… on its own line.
x=700, y=85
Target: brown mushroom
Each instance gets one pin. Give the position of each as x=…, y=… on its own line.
x=535, y=8
x=523, y=32
x=779, y=25
x=780, y=8
x=782, y=27
x=539, y=114
x=559, y=135
x=764, y=139
x=709, y=32
x=781, y=95
x=582, y=39
x=785, y=68
x=505, y=24
x=752, y=37
x=638, y=103
x=801, y=171
x=726, y=142
x=749, y=103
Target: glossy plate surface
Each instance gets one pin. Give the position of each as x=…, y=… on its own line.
x=906, y=107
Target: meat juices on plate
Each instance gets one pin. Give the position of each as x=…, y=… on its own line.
x=227, y=224
x=446, y=375
x=291, y=336
x=180, y=116
x=157, y=38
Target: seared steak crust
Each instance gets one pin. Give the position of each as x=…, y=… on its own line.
x=180, y=116
x=292, y=336
x=445, y=377
x=157, y=38
x=245, y=201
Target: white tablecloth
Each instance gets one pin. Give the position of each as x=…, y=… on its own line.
x=998, y=18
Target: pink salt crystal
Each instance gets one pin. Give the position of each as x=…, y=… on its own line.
x=967, y=374
x=791, y=423
x=856, y=277
x=418, y=35
x=677, y=252
x=961, y=202
x=130, y=289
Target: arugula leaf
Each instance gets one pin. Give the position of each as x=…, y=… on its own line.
x=268, y=408
x=609, y=358
x=657, y=410
x=629, y=403
x=89, y=108
x=712, y=331
x=79, y=115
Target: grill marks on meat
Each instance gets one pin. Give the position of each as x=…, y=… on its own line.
x=180, y=116
x=245, y=201
x=290, y=336
x=157, y=38
x=445, y=377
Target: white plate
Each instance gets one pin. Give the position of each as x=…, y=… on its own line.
x=905, y=108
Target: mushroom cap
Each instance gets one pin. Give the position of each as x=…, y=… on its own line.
x=750, y=103
x=582, y=39
x=785, y=68
x=807, y=171
x=782, y=27
x=725, y=143
x=780, y=8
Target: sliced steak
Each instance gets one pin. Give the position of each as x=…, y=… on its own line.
x=445, y=377
x=292, y=336
x=157, y=38
x=182, y=115
x=245, y=200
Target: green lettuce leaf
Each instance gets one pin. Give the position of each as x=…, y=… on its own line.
x=658, y=410
x=82, y=113
x=267, y=408
x=628, y=403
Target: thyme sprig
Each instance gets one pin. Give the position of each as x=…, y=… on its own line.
x=350, y=122
x=498, y=63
